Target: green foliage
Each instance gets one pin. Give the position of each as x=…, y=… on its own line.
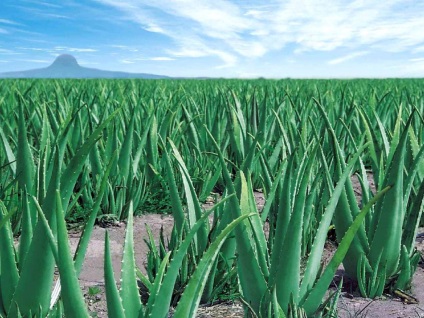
x=112, y=149
x=382, y=255
x=126, y=301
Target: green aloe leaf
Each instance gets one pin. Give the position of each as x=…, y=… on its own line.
x=152, y=154
x=189, y=302
x=36, y=276
x=26, y=227
x=72, y=297
x=129, y=289
x=38, y=268
x=114, y=303
x=88, y=227
x=70, y=175
x=177, y=206
x=390, y=212
x=194, y=209
x=313, y=263
x=156, y=296
x=9, y=271
x=287, y=266
x=9, y=153
x=160, y=298
x=125, y=154
x=25, y=168
x=314, y=297
x=249, y=270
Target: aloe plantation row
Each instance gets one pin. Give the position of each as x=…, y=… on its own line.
x=87, y=150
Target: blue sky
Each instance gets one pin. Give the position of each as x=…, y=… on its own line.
x=252, y=38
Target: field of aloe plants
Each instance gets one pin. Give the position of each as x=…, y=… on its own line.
x=93, y=150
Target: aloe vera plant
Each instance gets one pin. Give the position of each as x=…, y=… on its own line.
x=126, y=302
x=184, y=219
x=293, y=139
x=382, y=255
x=278, y=282
x=73, y=304
x=30, y=291
x=275, y=112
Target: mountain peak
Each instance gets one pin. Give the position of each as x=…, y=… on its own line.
x=66, y=66
x=66, y=60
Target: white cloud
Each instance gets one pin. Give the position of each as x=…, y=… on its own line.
x=188, y=52
x=35, y=61
x=32, y=48
x=420, y=59
x=162, y=58
x=74, y=49
x=193, y=48
x=257, y=14
x=154, y=28
x=3, y=31
x=10, y=22
x=347, y=57
x=57, y=49
x=138, y=59
x=125, y=48
x=56, y=16
x=43, y=3
x=126, y=61
x=418, y=49
x=198, y=29
x=229, y=59
x=234, y=31
x=44, y=9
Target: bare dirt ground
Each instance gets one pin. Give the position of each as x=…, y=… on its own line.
x=350, y=304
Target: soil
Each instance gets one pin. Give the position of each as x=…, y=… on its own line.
x=350, y=304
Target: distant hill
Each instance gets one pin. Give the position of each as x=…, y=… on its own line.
x=66, y=66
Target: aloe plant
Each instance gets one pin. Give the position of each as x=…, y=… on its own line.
x=275, y=113
x=126, y=302
x=184, y=219
x=30, y=289
x=278, y=282
x=293, y=139
x=72, y=303
x=382, y=255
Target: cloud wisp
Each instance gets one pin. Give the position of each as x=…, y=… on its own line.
x=233, y=30
x=35, y=61
x=222, y=37
x=9, y=22
x=58, y=49
x=162, y=58
x=155, y=58
x=73, y=49
x=347, y=57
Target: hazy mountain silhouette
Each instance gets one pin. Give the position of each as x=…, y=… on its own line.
x=66, y=66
